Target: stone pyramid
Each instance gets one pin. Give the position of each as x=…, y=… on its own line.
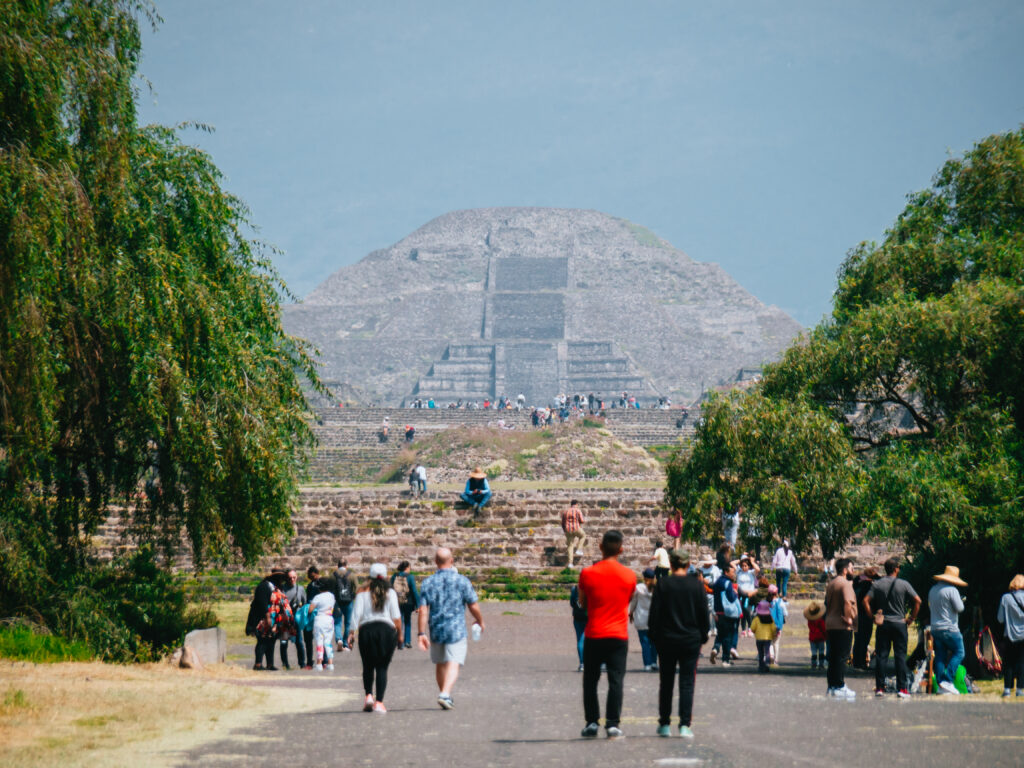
x=541, y=301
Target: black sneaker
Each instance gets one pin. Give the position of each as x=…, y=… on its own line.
x=590, y=731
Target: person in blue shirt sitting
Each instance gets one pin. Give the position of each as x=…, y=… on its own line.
x=477, y=492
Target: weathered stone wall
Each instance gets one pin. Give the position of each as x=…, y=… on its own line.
x=518, y=530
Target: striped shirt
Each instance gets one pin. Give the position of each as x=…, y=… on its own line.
x=572, y=519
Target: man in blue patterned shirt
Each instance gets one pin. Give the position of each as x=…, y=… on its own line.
x=444, y=597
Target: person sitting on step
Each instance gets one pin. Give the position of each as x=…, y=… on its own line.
x=477, y=492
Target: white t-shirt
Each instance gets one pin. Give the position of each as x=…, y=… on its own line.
x=640, y=606
x=324, y=604
x=363, y=613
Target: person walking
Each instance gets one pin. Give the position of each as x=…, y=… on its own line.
x=784, y=563
x=572, y=527
x=1011, y=616
x=605, y=591
x=376, y=616
x=892, y=597
x=258, y=623
x=404, y=583
x=421, y=478
x=579, y=621
x=679, y=626
x=659, y=561
x=639, y=611
x=344, y=594
x=763, y=628
x=945, y=606
x=727, y=616
x=674, y=527
x=840, y=619
x=296, y=595
x=444, y=598
x=323, y=604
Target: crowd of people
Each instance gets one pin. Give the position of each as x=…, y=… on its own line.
x=562, y=405
x=676, y=606
x=333, y=614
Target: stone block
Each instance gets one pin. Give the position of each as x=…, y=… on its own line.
x=211, y=645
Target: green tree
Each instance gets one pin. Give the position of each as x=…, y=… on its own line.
x=142, y=359
x=788, y=468
x=921, y=365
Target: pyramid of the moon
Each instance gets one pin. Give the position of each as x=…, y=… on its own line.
x=538, y=301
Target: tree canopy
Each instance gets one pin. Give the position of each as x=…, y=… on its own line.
x=142, y=360
x=920, y=368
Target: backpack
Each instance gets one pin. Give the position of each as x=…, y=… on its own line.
x=304, y=617
x=344, y=590
x=731, y=608
x=400, y=583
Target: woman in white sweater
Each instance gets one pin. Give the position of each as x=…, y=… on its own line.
x=376, y=616
x=784, y=564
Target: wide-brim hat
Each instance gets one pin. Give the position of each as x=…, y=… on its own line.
x=814, y=611
x=478, y=473
x=707, y=562
x=951, y=576
x=764, y=609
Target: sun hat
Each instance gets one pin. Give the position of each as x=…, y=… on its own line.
x=764, y=609
x=707, y=562
x=477, y=473
x=649, y=573
x=951, y=576
x=378, y=571
x=814, y=611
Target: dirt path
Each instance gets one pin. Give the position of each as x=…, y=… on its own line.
x=518, y=702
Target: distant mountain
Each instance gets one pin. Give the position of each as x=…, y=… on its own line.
x=541, y=300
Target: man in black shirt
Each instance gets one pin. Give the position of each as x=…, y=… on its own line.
x=679, y=626
x=895, y=598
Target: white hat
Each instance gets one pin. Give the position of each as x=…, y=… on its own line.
x=378, y=571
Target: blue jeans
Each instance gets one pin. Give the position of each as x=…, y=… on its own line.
x=478, y=500
x=949, y=652
x=342, y=624
x=422, y=484
x=579, y=626
x=647, y=652
x=728, y=635
x=782, y=580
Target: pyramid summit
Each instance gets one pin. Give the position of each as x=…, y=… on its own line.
x=493, y=301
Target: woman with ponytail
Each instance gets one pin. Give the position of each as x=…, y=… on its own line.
x=784, y=564
x=376, y=616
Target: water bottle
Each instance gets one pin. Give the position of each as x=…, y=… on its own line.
x=476, y=633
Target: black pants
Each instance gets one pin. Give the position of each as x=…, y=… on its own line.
x=671, y=656
x=862, y=640
x=839, y=642
x=265, y=650
x=895, y=634
x=307, y=641
x=300, y=651
x=376, y=647
x=610, y=651
x=1013, y=664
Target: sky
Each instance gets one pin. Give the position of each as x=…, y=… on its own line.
x=767, y=137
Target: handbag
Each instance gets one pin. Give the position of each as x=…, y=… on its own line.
x=879, y=615
x=731, y=608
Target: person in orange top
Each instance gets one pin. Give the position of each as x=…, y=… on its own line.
x=605, y=590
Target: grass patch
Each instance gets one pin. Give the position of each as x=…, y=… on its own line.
x=511, y=613
x=22, y=644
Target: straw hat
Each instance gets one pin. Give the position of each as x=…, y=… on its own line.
x=951, y=576
x=477, y=473
x=814, y=611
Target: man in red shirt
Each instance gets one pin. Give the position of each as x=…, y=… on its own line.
x=605, y=590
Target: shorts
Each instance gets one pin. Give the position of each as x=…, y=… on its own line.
x=441, y=653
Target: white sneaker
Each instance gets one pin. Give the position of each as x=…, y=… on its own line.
x=844, y=693
x=947, y=687
x=330, y=667
x=319, y=667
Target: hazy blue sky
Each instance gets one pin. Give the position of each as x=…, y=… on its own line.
x=769, y=137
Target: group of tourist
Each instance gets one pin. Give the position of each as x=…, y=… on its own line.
x=375, y=617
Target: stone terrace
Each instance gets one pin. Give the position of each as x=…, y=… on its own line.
x=351, y=450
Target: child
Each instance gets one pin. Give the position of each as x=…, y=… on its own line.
x=323, y=628
x=780, y=612
x=815, y=615
x=639, y=611
x=764, y=629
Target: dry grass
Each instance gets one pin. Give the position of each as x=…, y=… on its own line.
x=93, y=714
